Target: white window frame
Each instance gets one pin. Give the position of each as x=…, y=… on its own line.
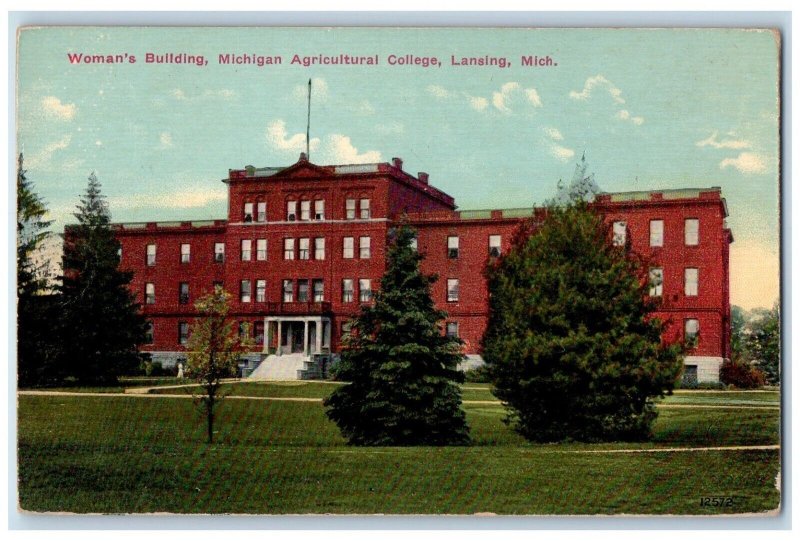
x=348, y=248
x=291, y=211
x=364, y=247
x=287, y=291
x=261, y=249
x=364, y=290
x=261, y=215
x=656, y=282
x=319, y=209
x=365, y=212
x=305, y=210
x=452, y=247
x=183, y=298
x=452, y=289
x=288, y=248
x=303, y=251
x=245, y=291
x=695, y=332
x=691, y=281
x=318, y=295
x=691, y=231
x=302, y=286
x=183, y=333
x=246, y=249
x=186, y=253
x=347, y=290
x=495, y=245
x=319, y=248
x=448, y=325
x=620, y=233
x=261, y=291
x=248, y=213
x=149, y=293
x=350, y=209
x=219, y=252
x=151, y=255
x=656, y=233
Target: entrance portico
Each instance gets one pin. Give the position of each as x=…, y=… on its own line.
x=307, y=335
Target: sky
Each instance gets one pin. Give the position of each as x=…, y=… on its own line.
x=651, y=110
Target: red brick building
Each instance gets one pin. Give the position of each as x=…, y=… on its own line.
x=303, y=246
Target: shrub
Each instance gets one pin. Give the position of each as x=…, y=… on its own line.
x=479, y=374
x=741, y=375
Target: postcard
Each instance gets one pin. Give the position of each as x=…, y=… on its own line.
x=399, y=271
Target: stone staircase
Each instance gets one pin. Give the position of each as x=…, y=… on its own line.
x=280, y=367
x=316, y=367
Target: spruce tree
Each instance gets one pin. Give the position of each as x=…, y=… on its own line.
x=401, y=368
x=35, y=346
x=571, y=343
x=101, y=324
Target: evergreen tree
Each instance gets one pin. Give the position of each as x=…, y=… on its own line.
x=572, y=348
x=102, y=325
x=402, y=369
x=763, y=342
x=213, y=351
x=35, y=347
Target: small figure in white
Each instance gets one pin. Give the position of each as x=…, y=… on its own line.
x=180, y=370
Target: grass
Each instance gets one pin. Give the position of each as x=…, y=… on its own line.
x=123, y=454
x=124, y=382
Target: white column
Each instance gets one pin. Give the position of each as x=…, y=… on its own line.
x=267, y=329
x=318, y=325
x=280, y=338
x=305, y=337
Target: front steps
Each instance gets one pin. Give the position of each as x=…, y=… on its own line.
x=294, y=366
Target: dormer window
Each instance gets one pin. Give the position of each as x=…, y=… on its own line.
x=291, y=211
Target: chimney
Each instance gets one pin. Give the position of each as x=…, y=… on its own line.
x=423, y=177
x=398, y=163
x=303, y=157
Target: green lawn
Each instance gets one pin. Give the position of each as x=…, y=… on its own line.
x=126, y=454
x=124, y=382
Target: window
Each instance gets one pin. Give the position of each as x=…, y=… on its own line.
x=364, y=290
x=183, y=293
x=656, y=282
x=413, y=243
x=244, y=291
x=148, y=332
x=452, y=290
x=291, y=211
x=620, y=233
x=365, y=214
x=261, y=291
x=288, y=291
x=452, y=247
x=494, y=245
x=247, y=246
x=243, y=328
x=347, y=290
x=690, y=282
x=151, y=255
x=248, y=212
x=186, y=253
x=288, y=248
x=258, y=332
x=261, y=249
x=262, y=211
x=305, y=210
x=304, y=248
x=149, y=293
x=319, y=209
x=215, y=285
x=302, y=291
x=119, y=253
x=656, y=233
x=183, y=332
x=318, y=287
x=691, y=329
x=347, y=248
x=452, y=329
x=689, y=374
x=219, y=252
x=319, y=248
x=363, y=247
x=347, y=328
x=691, y=232
x=350, y=209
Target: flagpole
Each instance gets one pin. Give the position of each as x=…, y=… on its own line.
x=308, y=124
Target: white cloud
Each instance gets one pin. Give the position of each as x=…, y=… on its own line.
x=595, y=82
x=278, y=138
x=638, y=120
x=562, y=153
x=499, y=98
x=224, y=93
x=478, y=103
x=440, y=92
x=339, y=149
x=390, y=127
x=98, y=143
x=624, y=114
x=533, y=97
x=746, y=162
x=185, y=199
x=42, y=158
x=53, y=107
x=166, y=139
x=755, y=274
x=725, y=143
x=554, y=134
x=319, y=90
x=178, y=94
